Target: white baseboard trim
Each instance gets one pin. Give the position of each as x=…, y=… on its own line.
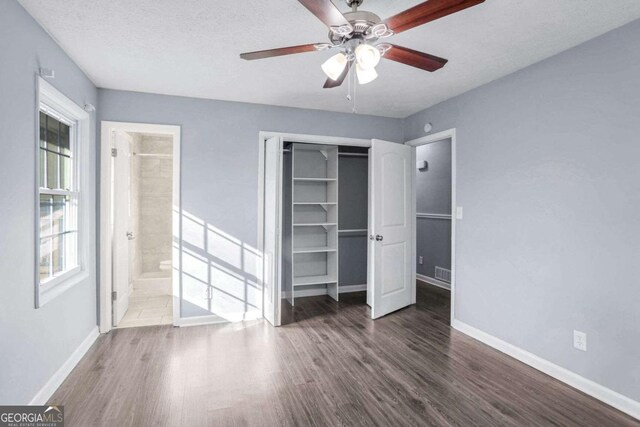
x=434, y=282
x=593, y=389
x=61, y=374
x=343, y=289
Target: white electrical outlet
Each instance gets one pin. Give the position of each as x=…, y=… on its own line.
x=420, y=260
x=580, y=340
x=459, y=212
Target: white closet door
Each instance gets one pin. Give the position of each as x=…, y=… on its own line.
x=272, y=250
x=121, y=225
x=391, y=227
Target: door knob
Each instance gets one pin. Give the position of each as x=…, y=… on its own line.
x=378, y=238
x=130, y=235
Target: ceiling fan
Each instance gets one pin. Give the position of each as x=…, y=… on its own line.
x=356, y=34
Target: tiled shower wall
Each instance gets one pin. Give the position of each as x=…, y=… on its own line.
x=135, y=184
x=155, y=201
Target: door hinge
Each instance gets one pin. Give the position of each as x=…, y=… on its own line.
x=114, y=295
x=114, y=152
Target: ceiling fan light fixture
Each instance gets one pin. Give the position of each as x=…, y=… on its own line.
x=365, y=75
x=367, y=55
x=335, y=65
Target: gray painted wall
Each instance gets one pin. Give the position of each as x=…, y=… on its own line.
x=34, y=342
x=548, y=173
x=220, y=182
x=433, y=195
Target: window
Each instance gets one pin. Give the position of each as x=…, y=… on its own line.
x=58, y=197
x=63, y=129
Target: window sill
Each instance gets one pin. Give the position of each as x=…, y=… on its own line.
x=53, y=290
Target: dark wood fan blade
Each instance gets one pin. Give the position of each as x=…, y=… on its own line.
x=414, y=58
x=427, y=12
x=260, y=54
x=326, y=11
x=335, y=83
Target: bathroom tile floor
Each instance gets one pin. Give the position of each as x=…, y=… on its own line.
x=148, y=305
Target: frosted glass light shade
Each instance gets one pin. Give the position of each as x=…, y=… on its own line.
x=365, y=75
x=367, y=56
x=334, y=66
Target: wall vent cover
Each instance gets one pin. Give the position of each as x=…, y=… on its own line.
x=443, y=274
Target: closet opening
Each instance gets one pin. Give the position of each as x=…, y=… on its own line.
x=324, y=226
x=336, y=220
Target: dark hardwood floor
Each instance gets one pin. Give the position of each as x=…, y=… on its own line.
x=332, y=366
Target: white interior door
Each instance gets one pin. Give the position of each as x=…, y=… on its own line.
x=391, y=274
x=121, y=227
x=272, y=239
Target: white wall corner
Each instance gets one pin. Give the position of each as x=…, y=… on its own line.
x=61, y=374
x=593, y=389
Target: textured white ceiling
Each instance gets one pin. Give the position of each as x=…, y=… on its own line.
x=191, y=47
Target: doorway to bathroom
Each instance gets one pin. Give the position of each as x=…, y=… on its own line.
x=139, y=205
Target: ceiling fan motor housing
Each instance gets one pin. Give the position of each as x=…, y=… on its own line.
x=352, y=3
x=362, y=23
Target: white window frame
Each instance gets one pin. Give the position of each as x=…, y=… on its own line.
x=55, y=104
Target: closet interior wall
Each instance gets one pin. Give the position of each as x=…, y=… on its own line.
x=353, y=194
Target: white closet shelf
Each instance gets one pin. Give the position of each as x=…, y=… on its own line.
x=313, y=280
x=316, y=224
x=315, y=179
x=312, y=219
x=313, y=249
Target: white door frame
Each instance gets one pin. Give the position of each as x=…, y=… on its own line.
x=287, y=137
x=429, y=139
x=121, y=170
x=105, y=243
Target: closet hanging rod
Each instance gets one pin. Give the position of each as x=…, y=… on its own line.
x=433, y=216
x=359, y=230
x=353, y=155
x=288, y=150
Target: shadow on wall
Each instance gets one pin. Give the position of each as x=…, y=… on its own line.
x=219, y=273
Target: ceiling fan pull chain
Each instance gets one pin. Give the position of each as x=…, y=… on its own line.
x=355, y=93
x=348, y=87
